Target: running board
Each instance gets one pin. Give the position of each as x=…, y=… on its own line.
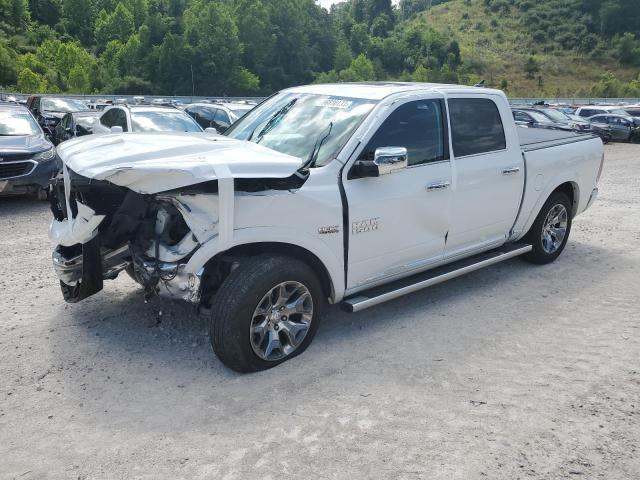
x=396, y=289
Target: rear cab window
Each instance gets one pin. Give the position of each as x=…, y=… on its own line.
x=476, y=126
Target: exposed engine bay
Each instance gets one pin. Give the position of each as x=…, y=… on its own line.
x=143, y=234
x=103, y=229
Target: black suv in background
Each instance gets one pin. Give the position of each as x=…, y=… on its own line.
x=48, y=111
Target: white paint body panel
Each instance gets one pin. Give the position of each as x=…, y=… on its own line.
x=417, y=230
x=157, y=162
x=485, y=201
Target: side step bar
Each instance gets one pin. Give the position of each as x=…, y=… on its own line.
x=396, y=289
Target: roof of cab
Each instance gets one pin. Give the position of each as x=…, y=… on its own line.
x=380, y=90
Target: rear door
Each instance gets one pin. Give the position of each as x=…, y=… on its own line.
x=488, y=173
x=620, y=127
x=398, y=222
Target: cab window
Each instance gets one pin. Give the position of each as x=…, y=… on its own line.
x=418, y=126
x=476, y=126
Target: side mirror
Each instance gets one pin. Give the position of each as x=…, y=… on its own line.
x=116, y=129
x=210, y=130
x=386, y=160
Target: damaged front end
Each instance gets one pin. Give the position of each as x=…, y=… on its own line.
x=102, y=229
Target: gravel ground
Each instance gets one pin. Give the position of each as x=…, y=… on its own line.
x=512, y=372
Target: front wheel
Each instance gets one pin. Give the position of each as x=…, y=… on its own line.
x=550, y=231
x=265, y=312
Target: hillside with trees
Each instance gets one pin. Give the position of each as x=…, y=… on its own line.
x=253, y=47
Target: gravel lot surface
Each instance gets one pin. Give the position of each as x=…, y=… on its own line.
x=512, y=372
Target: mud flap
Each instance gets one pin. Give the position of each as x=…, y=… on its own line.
x=91, y=274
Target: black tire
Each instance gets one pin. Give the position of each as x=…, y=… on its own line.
x=238, y=297
x=539, y=255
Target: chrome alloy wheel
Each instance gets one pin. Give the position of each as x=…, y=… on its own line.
x=555, y=228
x=281, y=321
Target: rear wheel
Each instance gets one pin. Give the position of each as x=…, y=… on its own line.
x=265, y=312
x=550, y=231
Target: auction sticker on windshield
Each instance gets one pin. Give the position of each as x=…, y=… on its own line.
x=334, y=103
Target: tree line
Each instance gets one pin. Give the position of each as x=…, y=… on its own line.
x=247, y=47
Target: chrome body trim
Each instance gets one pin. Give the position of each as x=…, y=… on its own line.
x=362, y=302
x=35, y=164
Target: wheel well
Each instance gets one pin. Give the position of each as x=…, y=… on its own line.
x=217, y=269
x=571, y=190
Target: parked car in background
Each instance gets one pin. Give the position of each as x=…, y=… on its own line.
x=75, y=124
x=48, y=111
x=217, y=115
x=534, y=118
x=577, y=124
x=145, y=118
x=27, y=157
x=557, y=120
x=591, y=110
x=633, y=110
x=623, y=127
x=99, y=104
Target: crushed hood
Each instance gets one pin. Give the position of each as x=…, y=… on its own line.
x=155, y=162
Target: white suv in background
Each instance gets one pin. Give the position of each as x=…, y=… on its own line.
x=591, y=110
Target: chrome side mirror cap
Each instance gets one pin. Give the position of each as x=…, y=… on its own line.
x=116, y=129
x=390, y=159
x=386, y=160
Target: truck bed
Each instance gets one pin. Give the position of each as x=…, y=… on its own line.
x=539, y=138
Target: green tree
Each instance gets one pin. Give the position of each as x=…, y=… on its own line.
x=117, y=25
x=8, y=70
x=361, y=69
x=343, y=57
x=531, y=67
x=628, y=49
x=45, y=11
x=78, y=80
x=420, y=74
x=215, y=49
x=78, y=18
x=30, y=82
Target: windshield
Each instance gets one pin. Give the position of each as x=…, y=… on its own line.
x=303, y=125
x=555, y=115
x=169, y=121
x=618, y=111
x=539, y=117
x=62, y=105
x=17, y=123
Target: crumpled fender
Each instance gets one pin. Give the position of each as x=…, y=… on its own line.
x=81, y=229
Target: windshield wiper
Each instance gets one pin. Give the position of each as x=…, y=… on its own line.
x=273, y=121
x=316, y=149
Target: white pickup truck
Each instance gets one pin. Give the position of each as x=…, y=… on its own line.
x=352, y=193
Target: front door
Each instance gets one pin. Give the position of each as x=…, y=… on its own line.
x=488, y=173
x=398, y=222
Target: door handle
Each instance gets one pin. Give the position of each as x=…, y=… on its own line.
x=510, y=171
x=438, y=186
